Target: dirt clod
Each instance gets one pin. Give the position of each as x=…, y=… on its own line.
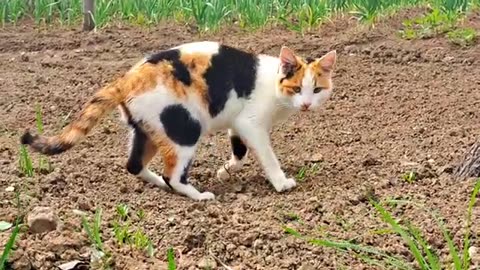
x=42, y=219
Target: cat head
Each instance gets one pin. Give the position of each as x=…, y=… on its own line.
x=305, y=83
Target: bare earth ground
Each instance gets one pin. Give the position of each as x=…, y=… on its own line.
x=398, y=105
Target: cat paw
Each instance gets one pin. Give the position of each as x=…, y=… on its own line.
x=285, y=185
x=205, y=196
x=222, y=174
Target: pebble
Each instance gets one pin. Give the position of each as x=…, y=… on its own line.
x=207, y=263
x=10, y=189
x=42, y=219
x=473, y=253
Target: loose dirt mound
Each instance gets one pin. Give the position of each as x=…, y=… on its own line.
x=398, y=106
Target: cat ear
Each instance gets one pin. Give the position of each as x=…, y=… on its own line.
x=327, y=62
x=288, y=61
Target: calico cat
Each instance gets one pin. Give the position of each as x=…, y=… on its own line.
x=171, y=98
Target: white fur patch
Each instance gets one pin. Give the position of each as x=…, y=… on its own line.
x=207, y=47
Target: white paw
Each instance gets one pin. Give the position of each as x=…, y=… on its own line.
x=222, y=174
x=206, y=196
x=286, y=184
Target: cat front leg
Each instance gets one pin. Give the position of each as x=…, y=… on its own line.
x=237, y=159
x=258, y=140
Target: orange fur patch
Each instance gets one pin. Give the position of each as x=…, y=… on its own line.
x=288, y=85
x=322, y=78
x=166, y=148
x=197, y=64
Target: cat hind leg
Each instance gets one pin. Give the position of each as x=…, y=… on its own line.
x=237, y=159
x=142, y=151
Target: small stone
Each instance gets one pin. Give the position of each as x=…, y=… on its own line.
x=79, y=212
x=207, y=263
x=231, y=247
x=24, y=57
x=474, y=254
x=257, y=244
x=238, y=187
x=42, y=219
x=317, y=157
x=72, y=265
x=10, y=189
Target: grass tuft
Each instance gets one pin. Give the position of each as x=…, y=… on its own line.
x=423, y=254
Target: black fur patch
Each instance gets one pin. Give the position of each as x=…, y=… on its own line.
x=41, y=145
x=57, y=149
x=289, y=71
x=135, y=160
x=27, y=138
x=184, y=177
x=179, y=125
x=229, y=69
x=180, y=71
x=167, y=181
x=238, y=147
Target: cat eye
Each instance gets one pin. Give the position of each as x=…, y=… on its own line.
x=296, y=89
x=317, y=90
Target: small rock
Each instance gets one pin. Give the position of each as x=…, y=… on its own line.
x=73, y=265
x=317, y=157
x=24, y=57
x=42, y=219
x=257, y=244
x=474, y=254
x=10, y=189
x=231, y=247
x=79, y=212
x=238, y=187
x=207, y=263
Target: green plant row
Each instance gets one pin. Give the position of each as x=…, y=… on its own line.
x=208, y=15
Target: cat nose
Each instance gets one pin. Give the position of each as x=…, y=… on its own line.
x=306, y=105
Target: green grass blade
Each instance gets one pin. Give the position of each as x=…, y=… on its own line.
x=87, y=228
x=451, y=246
x=406, y=237
x=344, y=246
x=433, y=260
x=25, y=163
x=171, y=259
x=96, y=229
x=9, y=246
x=466, y=241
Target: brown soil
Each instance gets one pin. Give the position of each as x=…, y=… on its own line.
x=398, y=105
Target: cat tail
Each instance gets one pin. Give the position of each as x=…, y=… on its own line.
x=102, y=102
